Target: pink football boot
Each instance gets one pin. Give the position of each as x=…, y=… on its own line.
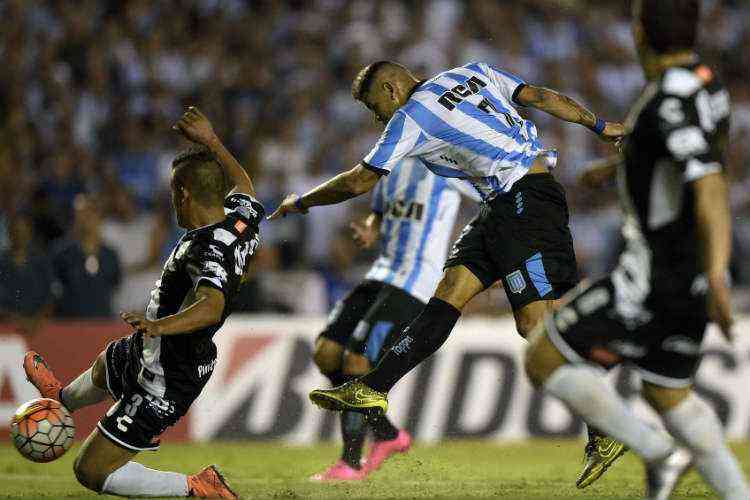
x=382, y=450
x=340, y=471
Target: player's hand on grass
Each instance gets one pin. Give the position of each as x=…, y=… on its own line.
x=139, y=323
x=720, y=305
x=290, y=205
x=363, y=235
x=195, y=127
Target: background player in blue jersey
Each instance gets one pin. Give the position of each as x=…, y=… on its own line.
x=413, y=214
x=462, y=123
x=155, y=374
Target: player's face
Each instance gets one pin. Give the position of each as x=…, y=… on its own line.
x=377, y=108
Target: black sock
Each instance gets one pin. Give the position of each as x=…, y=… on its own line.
x=353, y=432
x=418, y=342
x=337, y=378
x=382, y=428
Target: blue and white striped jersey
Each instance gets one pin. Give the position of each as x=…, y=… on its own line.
x=418, y=213
x=462, y=123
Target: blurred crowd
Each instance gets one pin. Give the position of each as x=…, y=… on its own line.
x=89, y=90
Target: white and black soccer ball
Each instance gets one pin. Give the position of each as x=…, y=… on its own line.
x=42, y=430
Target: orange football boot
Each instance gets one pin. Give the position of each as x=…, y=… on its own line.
x=209, y=483
x=39, y=374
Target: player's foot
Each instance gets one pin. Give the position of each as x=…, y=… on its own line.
x=382, y=450
x=352, y=396
x=601, y=452
x=39, y=374
x=209, y=483
x=340, y=471
x=662, y=477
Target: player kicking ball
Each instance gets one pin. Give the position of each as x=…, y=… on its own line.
x=155, y=374
x=463, y=124
x=413, y=214
x=653, y=309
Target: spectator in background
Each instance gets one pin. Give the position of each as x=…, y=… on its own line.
x=87, y=272
x=25, y=279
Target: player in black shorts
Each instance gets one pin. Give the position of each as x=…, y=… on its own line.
x=155, y=374
x=359, y=329
x=412, y=219
x=652, y=311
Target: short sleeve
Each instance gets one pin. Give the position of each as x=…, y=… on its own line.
x=206, y=263
x=246, y=208
x=376, y=204
x=507, y=83
x=687, y=136
x=399, y=139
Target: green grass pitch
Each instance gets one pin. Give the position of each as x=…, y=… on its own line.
x=451, y=470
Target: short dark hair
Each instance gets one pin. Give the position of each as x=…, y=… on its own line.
x=670, y=25
x=197, y=169
x=367, y=75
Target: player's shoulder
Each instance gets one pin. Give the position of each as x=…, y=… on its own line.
x=686, y=81
x=244, y=206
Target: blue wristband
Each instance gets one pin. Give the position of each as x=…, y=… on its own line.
x=599, y=126
x=298, y=204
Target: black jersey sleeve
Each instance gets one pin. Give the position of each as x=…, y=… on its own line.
x=692, y=127
x=209, y=263
x=246, y=208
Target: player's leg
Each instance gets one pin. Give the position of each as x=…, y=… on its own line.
x=329, y=357
x=428, y=331
x=87, y=389
x=692, y=422
x=343, y=319
x=392, y=314
x=561, y=356
x=468, y=271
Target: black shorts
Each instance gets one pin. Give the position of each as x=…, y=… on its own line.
x=137, y=417
x=371, y=317
x=664, y=347
x=523, y=239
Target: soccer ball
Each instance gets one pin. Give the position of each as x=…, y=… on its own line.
x=42, y=430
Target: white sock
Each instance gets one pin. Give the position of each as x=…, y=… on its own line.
x=82, y=392
x=587, y=393
x=135, y=480
x=695, y=424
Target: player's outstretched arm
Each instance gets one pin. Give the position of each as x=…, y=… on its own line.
x=206, y=310
x=714, y=221
x=196, y=127
x=344, y=186
x=566, y=108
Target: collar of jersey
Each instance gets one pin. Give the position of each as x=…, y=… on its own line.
x=415, y=88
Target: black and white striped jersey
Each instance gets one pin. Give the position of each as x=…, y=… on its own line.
x=678, y=131
x=215, y=256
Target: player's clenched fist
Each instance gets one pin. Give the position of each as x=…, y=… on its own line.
x=139, y=323
x=196, y=127
x=292, y=204
x=613, y=132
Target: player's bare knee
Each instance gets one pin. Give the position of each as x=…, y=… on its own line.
x=541, y=358
x=355, y=364
x=525, y=325
x=99, y=371
x=663, y=399
x=327, y=355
